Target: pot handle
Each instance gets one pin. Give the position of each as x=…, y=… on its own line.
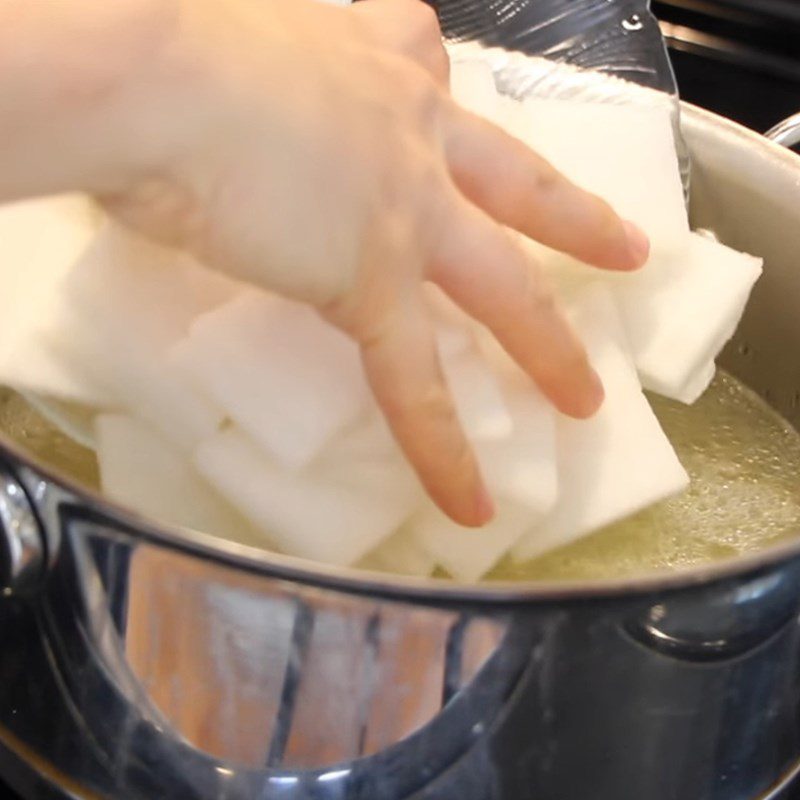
x=787, y=132
x=22, y=544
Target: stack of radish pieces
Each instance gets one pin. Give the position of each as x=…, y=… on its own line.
x=218, y=406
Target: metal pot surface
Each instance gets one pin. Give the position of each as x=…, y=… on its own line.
x=145, y=662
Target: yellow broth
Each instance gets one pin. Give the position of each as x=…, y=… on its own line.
x=744, y=461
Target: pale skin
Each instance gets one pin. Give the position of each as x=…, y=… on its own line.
x=315, y=151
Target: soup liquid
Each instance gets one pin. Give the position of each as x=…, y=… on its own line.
x=744, y=463
x=743, y=459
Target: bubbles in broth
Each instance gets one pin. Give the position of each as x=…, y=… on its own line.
x=744, y=461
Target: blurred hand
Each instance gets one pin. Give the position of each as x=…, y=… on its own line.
x=316, y=151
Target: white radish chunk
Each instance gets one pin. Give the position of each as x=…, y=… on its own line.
x=625, y=154
x=520, y=471
x=615, y=463
x=472, y=86
x=695, y=386
x=39, y=242
x=368, y=438
x=479, y=401
x=454, y=328
x=401, y=554
x=476, y=392
x=140, y=469
x=521, y=467
x=469, y=553
x=336, y=512
x=283, y=374
x=126, y=302
x=680, y=311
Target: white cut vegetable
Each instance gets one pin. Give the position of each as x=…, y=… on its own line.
x=469, y=553
x=625, y=154
x=125, y=303
x=615, y=463
x=472, y=86
x=480, y=405
x=39, y=242
x=520, y=471
x=402, y=554
x=141, y=469
x=335, y=512
x=454, y=329
x=521, y=467
x=695, y=386
x=279, y=371
x=679, y=312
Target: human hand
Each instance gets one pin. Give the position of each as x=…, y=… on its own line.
x=312, y=150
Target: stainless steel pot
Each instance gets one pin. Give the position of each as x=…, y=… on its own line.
x=144, y=662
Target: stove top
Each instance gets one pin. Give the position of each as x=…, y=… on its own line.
x=737, y=57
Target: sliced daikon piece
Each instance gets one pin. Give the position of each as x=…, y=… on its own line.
x=141, y=469
x=617, y=462
x=401, y=554
x=516, y=451
x=520, y=471
x=335, y=512
x=625, y=154
x=469, y=553
x=472, y=86
x=124, y=274
x=368, y=438
x=282, y=373
x=125, y=303
x=696, y=385
x=39, y=242
x=480, y=404
x=680, y=311
x=35, y=366
x=521, y=467
x=454, y=328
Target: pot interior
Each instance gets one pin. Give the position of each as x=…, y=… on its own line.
x=744, y=189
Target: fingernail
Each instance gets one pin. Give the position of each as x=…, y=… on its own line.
x=638, y=243
x=484, y=506
x=596, y=394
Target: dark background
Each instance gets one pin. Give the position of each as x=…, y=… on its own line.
x=740, y=58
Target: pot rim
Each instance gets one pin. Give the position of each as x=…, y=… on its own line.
x=90, y=505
